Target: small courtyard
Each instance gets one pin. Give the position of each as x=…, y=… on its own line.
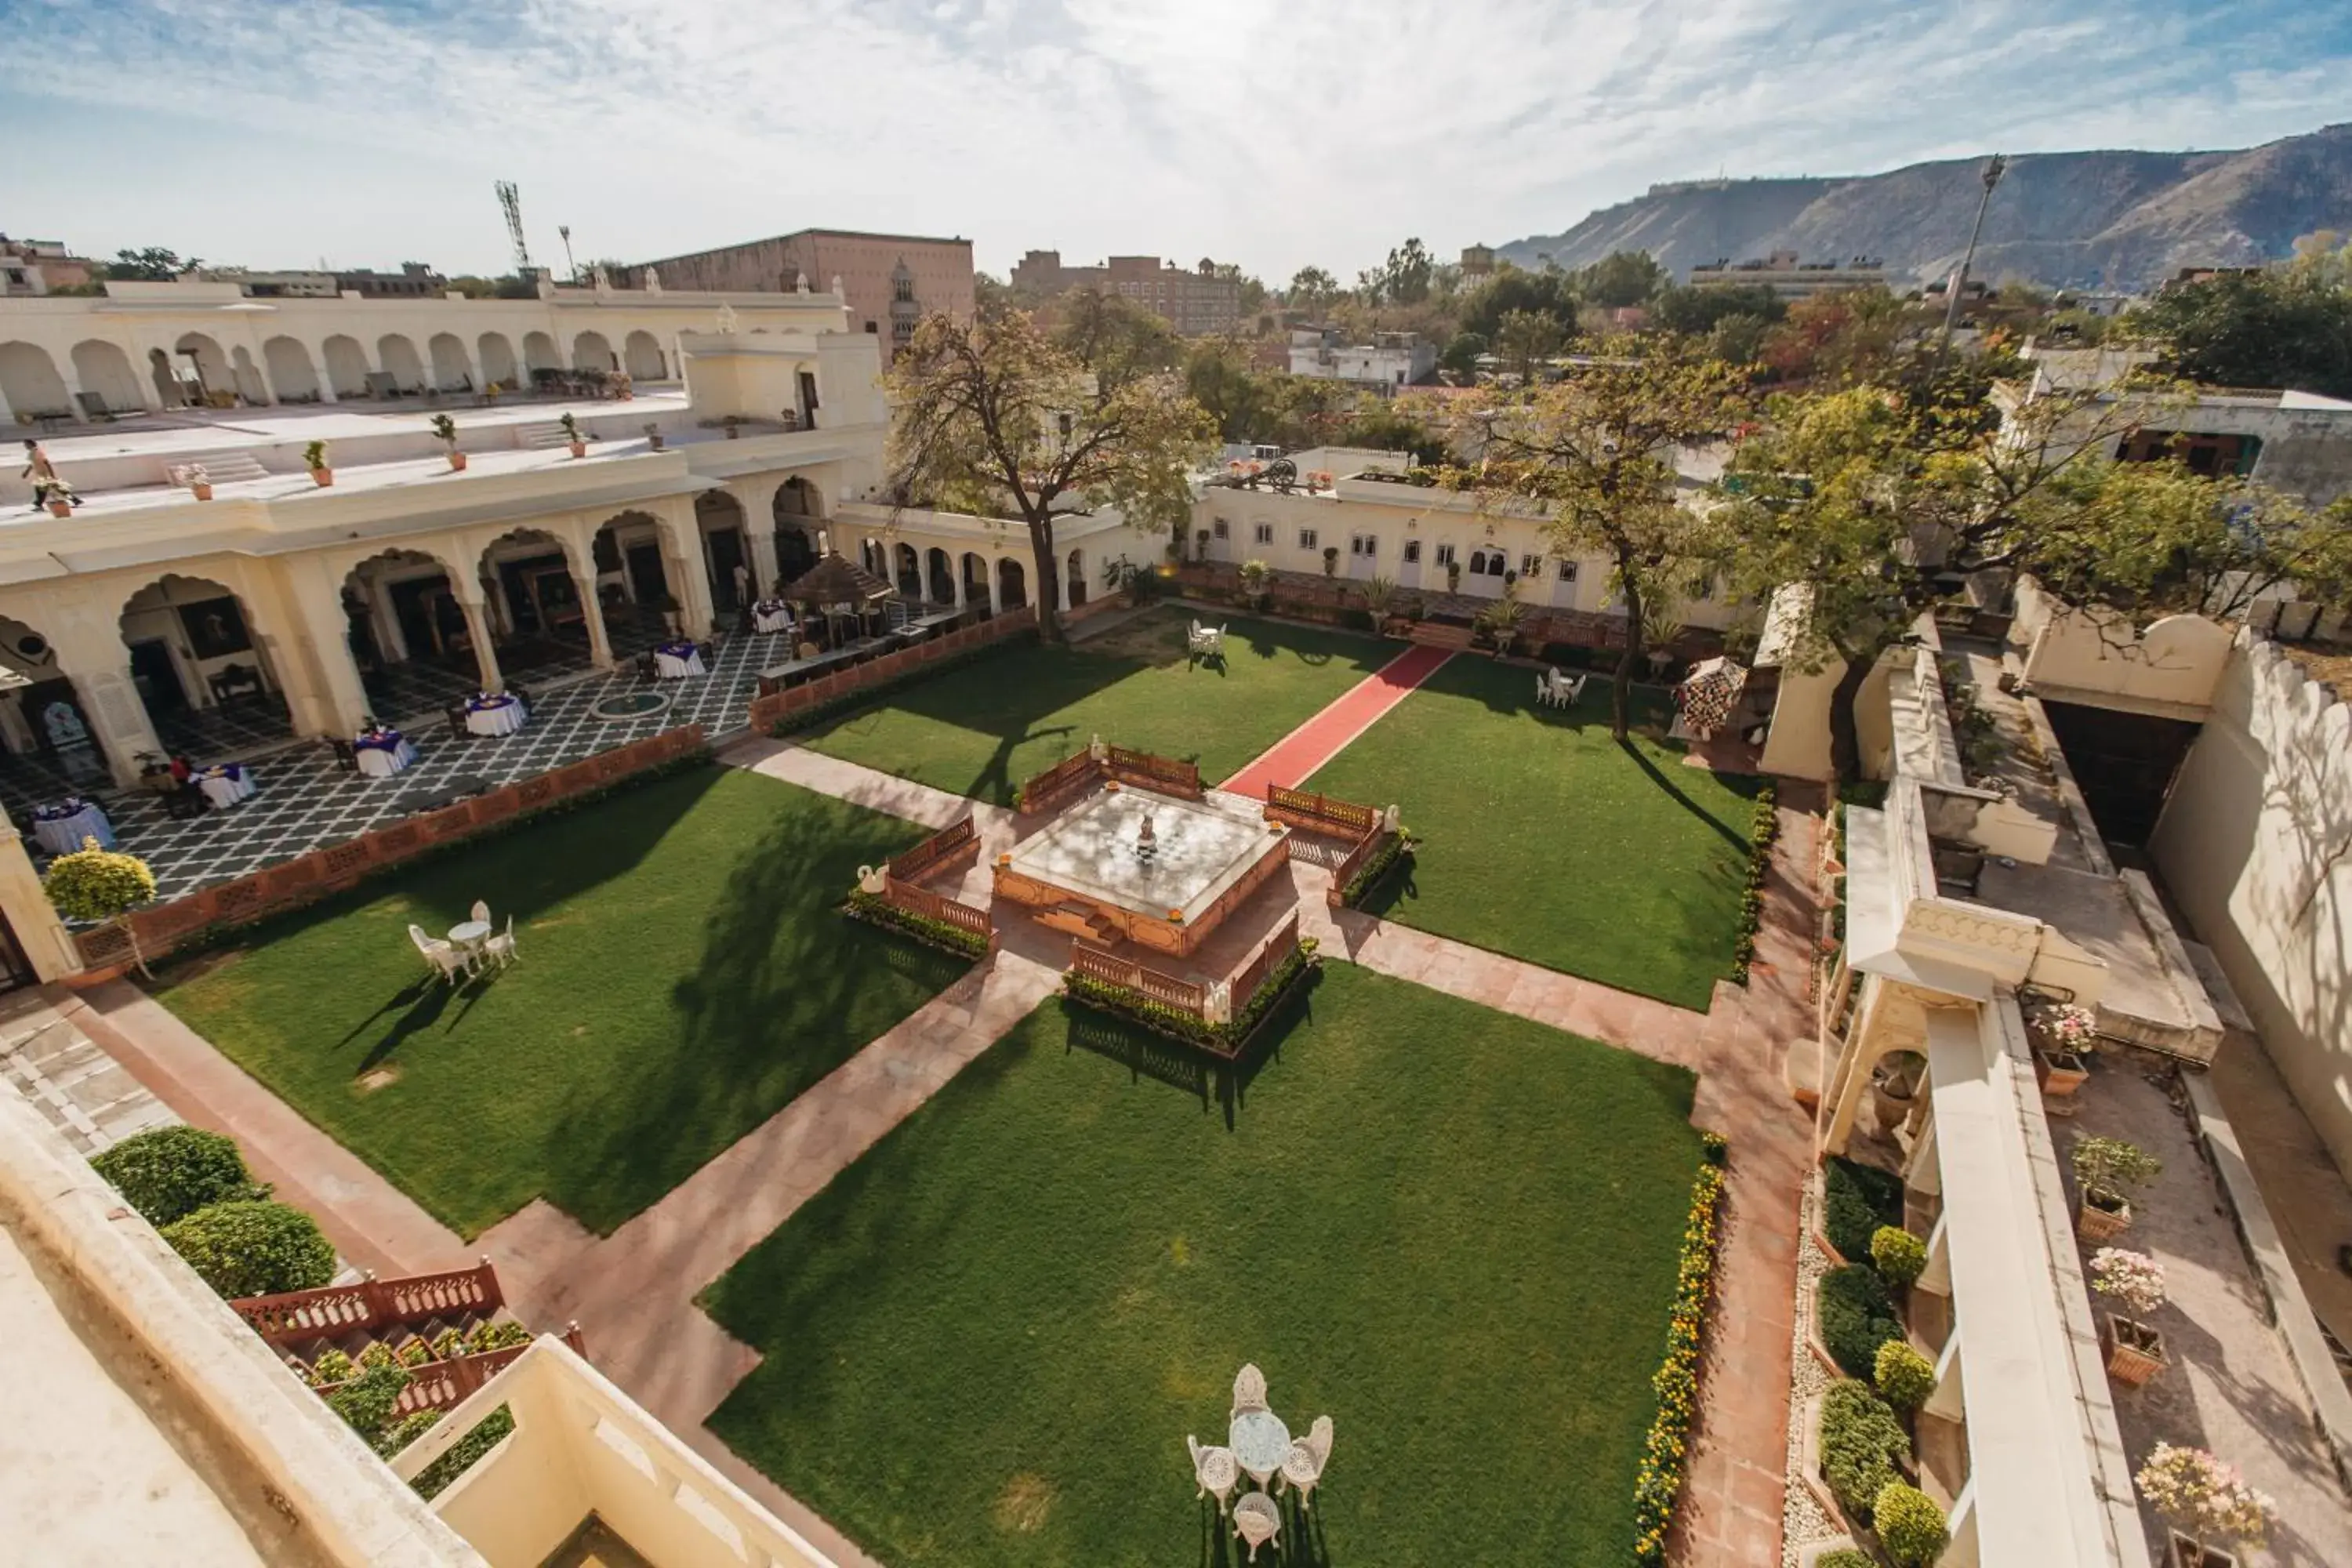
x=1452, y=1230
x=980, y=729
x=684, y=975
x=1544, y=839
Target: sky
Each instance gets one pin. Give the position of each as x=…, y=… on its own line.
x=282, y=133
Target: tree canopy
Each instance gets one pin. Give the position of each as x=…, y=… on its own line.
x=2287, y=326
x=149, y=263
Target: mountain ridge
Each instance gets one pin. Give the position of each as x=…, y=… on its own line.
x=2116, y=218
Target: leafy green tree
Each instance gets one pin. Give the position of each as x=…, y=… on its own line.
x=1461, y=356
x=1218, y=376
x=1682, y=309
x=1404, y=277
x=472, y=286
x=1619, y=278
x=1738, y=340
x=997, y=419
x=94, y=884
x=1250, y=297
x=1598, y=450
x=154, y=264
x=1550, y=294
x=1388, y=428
x=2286, y=326
x=252, y=1247
x=1526, y=338
x=1116, y=338
x=1311, y=289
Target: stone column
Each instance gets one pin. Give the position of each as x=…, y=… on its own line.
x=1062, y=586
x=995, y=590
x=48, y=946
x=316, y=673
x=761, y=541
x=579, y=555
x=955, y=575
x=477, y=631
x=117, y=720
x=687, y=566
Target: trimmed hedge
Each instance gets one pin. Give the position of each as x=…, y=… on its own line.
x=254, y=1248
x=1226, y=1039
x=1763, y=827
x=1855, y=1201
x=1843, y=1558
x=1665, y=1453
x=1911, y=1529
x=1861, y=1445
x=1853, y=1315
x=875, y=909
x=1386, y=858
x=1903, y=1378
x=1897, y=1255
x=168, y=1173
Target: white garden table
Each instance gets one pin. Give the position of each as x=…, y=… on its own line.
x=1260, y=1443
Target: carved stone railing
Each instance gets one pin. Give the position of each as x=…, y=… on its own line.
x=372, y=1305
x=950, y=848
x=1319, y=813
x=933, y=906
x=1095, y=964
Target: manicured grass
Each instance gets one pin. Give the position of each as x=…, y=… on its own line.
x=1452, y=1230
x=981, y=729
x=684, y=975
x=1548, y=841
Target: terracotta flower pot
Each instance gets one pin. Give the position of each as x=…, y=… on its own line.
x=322, y=477
x=2066, y=1073
x=655, y=441
x=456, y=462
x=202, y=492
x=61, y=509
x=579, y=448
x=2102, y=1216
x=2134, y=1350
x=2188, y=1553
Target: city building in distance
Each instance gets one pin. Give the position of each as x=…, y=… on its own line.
x=890, y=281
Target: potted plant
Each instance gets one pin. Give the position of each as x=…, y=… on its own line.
x=1256, y=576
x=59, y=496
x=95, y=884
x=1330, y=560
x=314, y=458
x=445, y=430
x=1379, y=596
x=200, y=483
x=2205, y=1501
x=2135, y=1281
x=733, y=425
x=2107, y=1169
x=2063, y=1034
x=1501, y=621
x=1452, y=576
x=573, y=437
x=653, y=437
x=1894, y=1088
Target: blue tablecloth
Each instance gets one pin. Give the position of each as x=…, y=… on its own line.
x=60, y=826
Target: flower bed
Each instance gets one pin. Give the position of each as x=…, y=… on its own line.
x=1375, y=870
x=1227, y=1039
x=1666, y=1454
x=1763, y=827
x=875, y=909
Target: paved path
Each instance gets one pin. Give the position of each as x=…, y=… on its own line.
x=1294, y=758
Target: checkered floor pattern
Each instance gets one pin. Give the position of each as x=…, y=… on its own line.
x=304, y=802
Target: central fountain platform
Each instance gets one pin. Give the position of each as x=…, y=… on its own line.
x=1207, y=856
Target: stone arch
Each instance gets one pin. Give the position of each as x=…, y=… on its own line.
x=632, y=558
x=538, y=354
x=105, y=373
x=643, y=358
x=938, y=577
x=398, y=357
x=347, y=365
x=1012, y=583
x=908, y=572
x=971, y=571
x=292, y=374
x=537, y=597
x=402, y=609
x=497, y=360
x=251, y=389
x=200, y=668
x=724, y=535
x=590, y=351
x=50, y=723
x=29, y=382
x=200, y=351
x=452, y=371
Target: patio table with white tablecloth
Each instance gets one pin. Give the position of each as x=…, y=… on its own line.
x=225, y=785
x=60, y=827
x=1260, y=1442
x=770, y=616
x=677, y=660
x=501, y=715
x=384, y=753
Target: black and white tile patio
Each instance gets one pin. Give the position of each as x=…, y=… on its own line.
x=304, y=802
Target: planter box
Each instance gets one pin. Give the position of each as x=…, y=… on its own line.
x=2064, y=1072
x=2134, y=1350
x=2183, y=1552
x=2096, y=1222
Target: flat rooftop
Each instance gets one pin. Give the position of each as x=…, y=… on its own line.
x=190, y=432
x=1205, y=846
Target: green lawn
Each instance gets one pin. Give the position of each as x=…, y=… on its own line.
x=684, y=975
x=1546, y=840
x=1452, y=1230
x=981, y=729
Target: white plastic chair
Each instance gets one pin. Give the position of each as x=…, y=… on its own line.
x=424, y=945
x=480, y=911
x=453, y=964
x=1303, y=1466
x=1256, y=1520
x=500, y=948
x=1215, y=1470
x=1249, y=1389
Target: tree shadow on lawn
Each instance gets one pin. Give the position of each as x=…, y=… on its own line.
x=1744, y=785
x=786, y=989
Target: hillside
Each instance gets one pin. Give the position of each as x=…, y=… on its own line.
x=2115, y=220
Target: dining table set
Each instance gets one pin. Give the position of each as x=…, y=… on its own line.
x=770, y=616
x=382, y=752
x=60, y=826
x=225, y=784
x=496, y=713
x=1258, y=1445
x=475, y=946
x=677, y=660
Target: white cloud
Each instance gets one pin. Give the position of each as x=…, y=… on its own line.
x=1271, y=133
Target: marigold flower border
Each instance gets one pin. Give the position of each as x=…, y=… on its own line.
x=1665, y=1453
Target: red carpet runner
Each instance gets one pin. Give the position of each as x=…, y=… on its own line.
x=1294, y=758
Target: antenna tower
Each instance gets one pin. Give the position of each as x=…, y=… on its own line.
x=510, y=204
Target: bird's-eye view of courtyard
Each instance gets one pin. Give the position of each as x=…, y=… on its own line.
x=1668, y=895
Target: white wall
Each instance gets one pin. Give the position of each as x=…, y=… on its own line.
x=2255, y=845
x=2170, y=668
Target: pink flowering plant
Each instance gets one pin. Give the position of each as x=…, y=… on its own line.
x=2202, y=1496
x=2064, y=1027
x=2134, y=1279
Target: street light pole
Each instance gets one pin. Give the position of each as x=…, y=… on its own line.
x=1994, y=168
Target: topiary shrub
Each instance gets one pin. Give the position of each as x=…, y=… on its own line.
x=1844, y=1557
x=166, y=1173
x=1911, y=1528
x=1903, y=1376
x=1855, y=1316
x=254, y=1248
x=1897, y=1255
x=1855, y=1201
x=369, y=1402
x=94, y=884
x=1861, y=1441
